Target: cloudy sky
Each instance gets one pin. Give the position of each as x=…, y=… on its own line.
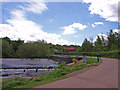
x=58, y=22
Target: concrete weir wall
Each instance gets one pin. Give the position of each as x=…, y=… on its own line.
x=63, y=59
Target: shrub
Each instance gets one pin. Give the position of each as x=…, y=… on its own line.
x=110, y=54
x=33, y=50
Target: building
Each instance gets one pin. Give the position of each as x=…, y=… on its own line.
x=70, y=49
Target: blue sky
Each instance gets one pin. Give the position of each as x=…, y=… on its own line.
x=56, y=22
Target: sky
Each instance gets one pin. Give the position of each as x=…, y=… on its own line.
x=63, y=23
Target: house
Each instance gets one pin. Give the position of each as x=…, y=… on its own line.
x=70, y=49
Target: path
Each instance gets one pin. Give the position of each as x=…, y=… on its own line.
x=103, y=76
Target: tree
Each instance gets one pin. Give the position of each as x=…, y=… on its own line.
x=98, y=44
x=80, y=49
x=112, y=41
x=33, y=50
x=87, y=46
x=16, y=44
x=104, y=42
x=118, y=40
x=7, y=39
x=7, y=49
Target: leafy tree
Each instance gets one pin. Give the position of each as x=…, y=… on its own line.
x=16, y=43
x=80, y=49
x=0, y=47
x=118, y=40
x=33, y=50
x=7, y=39
x=86, y=46
x=104, y=43
x=112, y=41
x=7, y=49
x=98, y=44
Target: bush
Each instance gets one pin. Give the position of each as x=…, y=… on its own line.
x=7, y=49
x=110, y=54
x=33, y=50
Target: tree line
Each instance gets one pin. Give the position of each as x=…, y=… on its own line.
x=42, y=49
x=111, y=42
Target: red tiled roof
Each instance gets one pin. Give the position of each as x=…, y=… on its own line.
x=71, y=48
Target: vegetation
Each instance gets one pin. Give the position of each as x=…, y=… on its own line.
x=33, y=50
x=93, y=60
x=107, y=47
x=102, y=44
x=7, y=49
x=110, y=54
x=57, y=74
x=20, y=49
x=22, y=83
x=41, y=49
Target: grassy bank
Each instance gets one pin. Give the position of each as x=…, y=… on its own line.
x=57, y=74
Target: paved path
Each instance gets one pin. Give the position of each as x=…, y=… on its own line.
x=103, y=76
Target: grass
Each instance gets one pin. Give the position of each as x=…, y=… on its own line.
x=57, y=74
x=22, y=83
x=93, y=60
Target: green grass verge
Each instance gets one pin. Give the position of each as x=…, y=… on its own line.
x=93, y=60
x=50, y=77
x=22, y=83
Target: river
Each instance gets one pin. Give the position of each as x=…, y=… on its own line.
x=8, y=65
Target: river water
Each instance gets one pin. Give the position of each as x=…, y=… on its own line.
x=25, y=73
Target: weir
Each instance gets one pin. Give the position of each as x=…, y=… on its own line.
x=12, y=63
x=65, y=58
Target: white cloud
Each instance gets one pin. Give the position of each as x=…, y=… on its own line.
x=35, y=6
x=97, y=23
x=107, y=9
x=7, y=30
x=93, y=25
x=19, y=27
x=105, y=35
x=116, y=30
x=100, y=35
x=68, y=30
x=71, y=28
x=78, y=26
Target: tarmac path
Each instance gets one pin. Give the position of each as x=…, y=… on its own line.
x=103, y=76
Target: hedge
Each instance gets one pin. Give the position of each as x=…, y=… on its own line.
x=110, y=54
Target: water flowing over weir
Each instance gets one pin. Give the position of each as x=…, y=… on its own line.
x=27, y=63
x=12, y=67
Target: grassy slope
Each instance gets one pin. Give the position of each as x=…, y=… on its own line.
x=47, y=78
